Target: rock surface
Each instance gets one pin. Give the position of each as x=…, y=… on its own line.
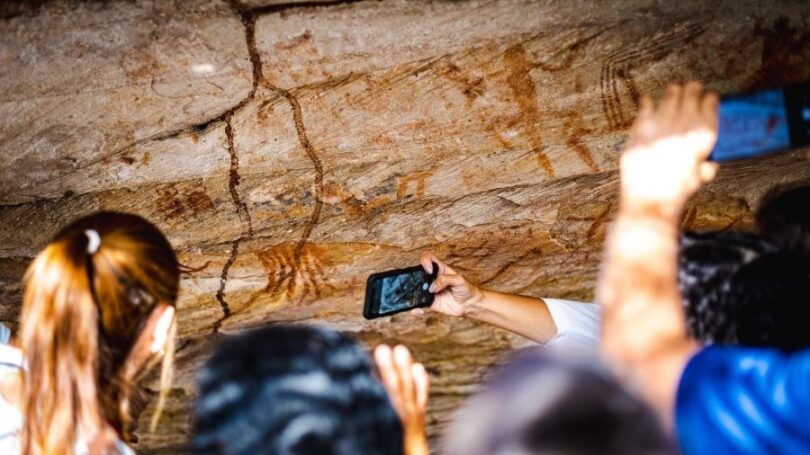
x=290, y=150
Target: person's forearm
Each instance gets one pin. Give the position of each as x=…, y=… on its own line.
x=643, y=327
x=525, y=316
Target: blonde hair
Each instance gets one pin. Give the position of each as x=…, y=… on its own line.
x=88, y=295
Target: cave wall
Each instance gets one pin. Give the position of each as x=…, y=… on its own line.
x=288, y=150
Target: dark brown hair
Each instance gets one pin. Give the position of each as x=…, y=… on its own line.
x=88, y=295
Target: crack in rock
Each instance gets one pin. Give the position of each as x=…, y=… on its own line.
x=234, y=179
x=244, y=215
x=248, y=18
x=301, y=130
x=223, y=279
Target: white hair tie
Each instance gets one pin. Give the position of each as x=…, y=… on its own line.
x=93, y=241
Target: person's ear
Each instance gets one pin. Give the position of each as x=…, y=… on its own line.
x=153, y=337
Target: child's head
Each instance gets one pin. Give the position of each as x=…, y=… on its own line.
x=293, y=390
x=541, y=404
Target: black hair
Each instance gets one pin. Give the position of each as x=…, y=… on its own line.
x=774, y=292
x=784, y=216
x=706, y=264
x=543, y=404
x=743, y=289
x=293, y=390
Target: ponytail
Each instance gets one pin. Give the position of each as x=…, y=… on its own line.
x=60, y=340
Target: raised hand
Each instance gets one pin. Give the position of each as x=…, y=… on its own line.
x=664, y=161
x=408, y=385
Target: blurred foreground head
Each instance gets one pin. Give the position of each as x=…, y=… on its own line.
x=743, y=289
x=541, y=404
x=97, y=311
x=293, y=390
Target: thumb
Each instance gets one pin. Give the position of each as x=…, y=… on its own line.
x=707, y=171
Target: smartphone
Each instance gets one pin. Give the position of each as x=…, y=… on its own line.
x=398, y=290
x=763, y=122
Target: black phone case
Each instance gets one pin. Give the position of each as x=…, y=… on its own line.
x=368, y=306
x=797, y=103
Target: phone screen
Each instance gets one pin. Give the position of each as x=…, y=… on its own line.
x=751, y=125
x=398, y=292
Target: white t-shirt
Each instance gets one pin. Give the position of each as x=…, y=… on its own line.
x=578, y=325
x=11, y=421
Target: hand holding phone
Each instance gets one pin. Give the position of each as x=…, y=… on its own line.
x=453, y=292
x=448, y=292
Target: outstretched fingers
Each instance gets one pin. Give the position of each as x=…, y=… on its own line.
x=406, y=382
x=664, y=160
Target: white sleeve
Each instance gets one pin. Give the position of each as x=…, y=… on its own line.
x=5, y=334
x=578, y=325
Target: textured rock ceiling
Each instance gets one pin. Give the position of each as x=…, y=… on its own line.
x=289, y=150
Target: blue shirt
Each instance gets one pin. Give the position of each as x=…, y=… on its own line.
x=744, y=400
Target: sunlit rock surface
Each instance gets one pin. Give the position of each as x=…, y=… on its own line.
x=290, y=150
